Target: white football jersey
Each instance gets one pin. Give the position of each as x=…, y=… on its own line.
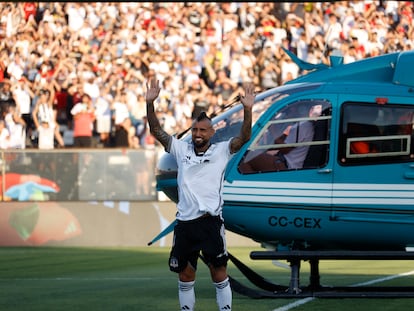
x=200, y=178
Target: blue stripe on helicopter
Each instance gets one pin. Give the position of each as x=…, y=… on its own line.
x=320, y=193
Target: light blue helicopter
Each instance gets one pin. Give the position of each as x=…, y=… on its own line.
x=327, y=174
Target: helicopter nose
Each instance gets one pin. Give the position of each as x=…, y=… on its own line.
x=166, y=176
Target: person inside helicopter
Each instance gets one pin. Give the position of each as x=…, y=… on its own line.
x=290, y=152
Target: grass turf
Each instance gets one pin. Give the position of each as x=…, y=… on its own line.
x=139, y=279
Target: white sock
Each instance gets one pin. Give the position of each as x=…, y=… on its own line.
x=223, y=295
x=186, y=295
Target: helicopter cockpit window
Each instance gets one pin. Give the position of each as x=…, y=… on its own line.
x=373, y=133
x=229, y=123
x=297, y=137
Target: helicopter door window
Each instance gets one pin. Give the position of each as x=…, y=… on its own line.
x=374, y=133
x=296, y=137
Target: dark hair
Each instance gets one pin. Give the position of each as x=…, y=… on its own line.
x=202, y=116
x=86, y=95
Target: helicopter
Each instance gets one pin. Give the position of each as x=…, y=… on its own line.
x=351, y=193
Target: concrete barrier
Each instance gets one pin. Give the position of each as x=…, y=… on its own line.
x=95, y=224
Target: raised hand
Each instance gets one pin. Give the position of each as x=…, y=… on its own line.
x=153, y=90
x=249, y=94
x=247, y=100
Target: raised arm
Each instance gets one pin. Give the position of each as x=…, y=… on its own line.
x=247, y=100
x=153, y=90
x=35, y=111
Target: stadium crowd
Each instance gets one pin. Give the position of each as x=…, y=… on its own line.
x=77, y=69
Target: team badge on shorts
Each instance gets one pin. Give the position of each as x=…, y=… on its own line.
x=173, y=263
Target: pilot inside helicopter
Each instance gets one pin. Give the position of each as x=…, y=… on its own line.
x=293, y=157
x=290, y=148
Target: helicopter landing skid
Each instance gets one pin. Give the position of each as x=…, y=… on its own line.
x=315, y=289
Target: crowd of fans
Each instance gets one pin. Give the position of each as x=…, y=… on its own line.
x=61, y=60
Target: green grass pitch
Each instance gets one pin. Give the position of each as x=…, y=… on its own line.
x=90, y=279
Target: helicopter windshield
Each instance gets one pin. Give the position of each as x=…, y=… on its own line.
x=228, y=123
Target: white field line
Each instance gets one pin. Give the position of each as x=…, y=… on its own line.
x=387, y=278
x=80, y=279
x=295, y=304
x=309, y=299
x=77, y=279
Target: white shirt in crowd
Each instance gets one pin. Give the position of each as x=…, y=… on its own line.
x=46, y=136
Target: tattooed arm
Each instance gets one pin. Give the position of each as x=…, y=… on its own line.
x=246, y=130
x=153, y=90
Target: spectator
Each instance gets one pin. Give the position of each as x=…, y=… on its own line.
x=182, y=110
x=103, y=117
x=121, y=120
x=4, y=135
x=269, y=76
x=101, y=44
x=43, y=111
x=29, y=9
x=333, y=30
x=223, y=86
x=46, y=135
x=23, y=97
x=83, y=118
x=123, y=134
x=16, y=127
x=289, y=70
x=6, y=96
x=16, y=68
x=4, y=58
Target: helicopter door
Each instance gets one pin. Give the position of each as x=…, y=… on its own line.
x=374, y=169
x=289, y=155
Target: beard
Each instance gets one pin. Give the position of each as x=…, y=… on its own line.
x=200, y=143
